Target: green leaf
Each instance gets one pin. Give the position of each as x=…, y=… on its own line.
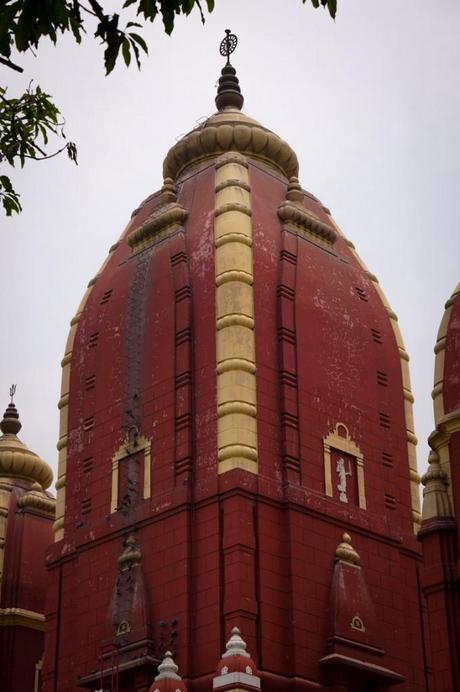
x=332, y=7
x=126, y=52
x=140, y=41
x=9, y=196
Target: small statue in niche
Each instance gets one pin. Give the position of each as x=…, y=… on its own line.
x=343, y=473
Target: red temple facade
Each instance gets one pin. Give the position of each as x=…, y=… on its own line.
x=237, y=451
x=26, y=519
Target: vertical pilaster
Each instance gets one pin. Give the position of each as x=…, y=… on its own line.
x=236, y=368
x=289, y=409
x=183, y=356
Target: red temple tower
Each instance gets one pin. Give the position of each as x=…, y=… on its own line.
x=26, y=518
x=440, y=532
x=236, y=444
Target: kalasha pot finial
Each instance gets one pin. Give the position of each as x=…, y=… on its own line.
x=11, y=425
x=228, y=93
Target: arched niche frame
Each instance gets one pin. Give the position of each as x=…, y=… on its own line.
x=340, y=441
x=133, y=444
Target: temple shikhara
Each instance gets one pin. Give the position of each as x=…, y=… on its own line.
x=238, y=502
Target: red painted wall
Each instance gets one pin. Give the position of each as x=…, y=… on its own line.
x=23, y=587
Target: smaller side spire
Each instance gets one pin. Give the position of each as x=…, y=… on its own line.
x=167, y=668
x=236, y=646
x=436, y=501
x=16, y=460
x=236, y=669
x=168, y=679
x=11, y=425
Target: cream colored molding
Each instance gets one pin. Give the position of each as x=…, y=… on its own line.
x=235, y=340
x=439, y=349
x=19, y=617
x=161, y=223
x=436, y=500
x=414, y=477
x=230, y=131
x=35, y=498
x=37, y=676
x=439, y=443
x=343, y=443
x=63, y=405
x=5, y=496
x=131, y=446
x=444, y=425
x=301, y=220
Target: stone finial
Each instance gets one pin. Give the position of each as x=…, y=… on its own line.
x=236, y=646
x=228, y=92
x=294, y=190
x=10, y=425
x=167, y=668
x=436, y=501
x=131, y=554
x=345, y=551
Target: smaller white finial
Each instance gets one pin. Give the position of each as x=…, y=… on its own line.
x=236, y=646
x=167, y=668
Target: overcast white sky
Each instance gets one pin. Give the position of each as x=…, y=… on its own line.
x=370, y=103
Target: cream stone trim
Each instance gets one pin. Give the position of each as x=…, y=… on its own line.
x=444, y=425
x=63, y=405
x=36, y=499
x=343, y=444
x=11, y=617
x=439, y=443
x=235, y=340
x=232, y=238
x=301, y=219
x=233, y=132
x=38, y=670
x=439, y=349
x=414, y=477
x=236, y=364
x=5, y=495
x=162, y=222
x=129, y=447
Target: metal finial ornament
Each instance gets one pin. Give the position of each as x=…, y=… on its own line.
x=228, y=45
x=12, y=392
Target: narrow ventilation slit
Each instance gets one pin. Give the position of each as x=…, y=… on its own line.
x=387, y=459
x=106, y=297
x=384, y=420
x=377, y=336
x=88, y=423
x=361, y=293
x=93, y=339
x=382, y=378
x=87, y=464
x=178, y=258
x=90, y=382
x=86, y=505
x=390, y=501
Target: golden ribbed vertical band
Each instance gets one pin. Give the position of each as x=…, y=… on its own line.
x=235, y=341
